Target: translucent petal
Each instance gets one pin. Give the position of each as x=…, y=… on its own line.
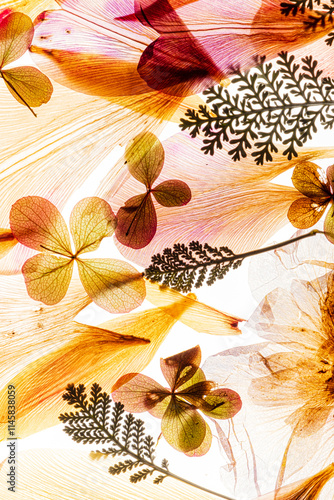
x=329, y=224
x=46, y=474
x=47, y=277
x=38, y=224
x=28, y=85
x=204, y=447
x=308, y=178
x=145, y=158
x=181, y=367
x=305, y=212
x=139, y=394
x=182, y=426
x=7, y=242
x=16, y=34
x=136, y=221
x=112, y=284
x=173, y=193
x=225, y=403
x=91, y=220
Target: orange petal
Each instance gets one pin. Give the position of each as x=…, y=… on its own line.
x=38, y=224
x=7, y=242
x=46, y=474
x=47, y=277
x=198, y=316
x=28, y=85
x=306, y=212
x=145, y=158
x=16, y=34
x=172, y=193
x=91, y=220
x=112, y=284
x=310, y=180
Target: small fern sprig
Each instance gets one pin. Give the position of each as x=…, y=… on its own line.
x=318, y=17
x=264, y=106
x=185, y=267
x=95, y=423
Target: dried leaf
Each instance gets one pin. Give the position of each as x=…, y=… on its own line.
x=16, y=34
x=28, y=85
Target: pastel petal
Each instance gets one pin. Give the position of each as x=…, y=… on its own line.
x=182, y=426
x=47, y=277
x=181, y=367
x=28, y=85
x=139, y=394
x=38, y=224
x=16, y=34
x=306, y=212
x=112, y=284
x=329, y=224
x=145, y=157
x=70, y=474
x=199, y=316
x=172, y=193
x=310, y=180
x=92, y=219
x=7, y=242
x=136, y=221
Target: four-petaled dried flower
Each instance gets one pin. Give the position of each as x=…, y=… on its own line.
x=182, y=425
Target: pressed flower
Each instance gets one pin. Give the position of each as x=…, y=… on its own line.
x=36, y=223
x=43, y=348
x=137, y=220
x=7, y=242
x=27, y=84
x=182, y=426
x=317, y=188
x=239, y=206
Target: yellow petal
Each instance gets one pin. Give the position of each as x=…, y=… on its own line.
x=74, y=475
x=7, y=242
x=112, y=284
x=197, y=315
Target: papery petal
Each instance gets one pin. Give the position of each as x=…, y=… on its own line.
x=182, y=426
x=225, y=403
x=47, y=277
x=112, y=284
x=145, y=158
x=204, y=447
x=7, y=242
x=330, y=178
x=28, y=85
x=179, y=368
x=172, y=193
x=305, y=212
x=16, y=34
x=38, y=224
x=91, y=220
x=140, y=394
x=46, y=474
x=329, y=224
x=136, y=221
x=304, y=489
x=310, y=180
x=198, y=316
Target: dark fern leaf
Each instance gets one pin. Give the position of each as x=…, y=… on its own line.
x=140, y=475
x=283, y=104
x=159, y=479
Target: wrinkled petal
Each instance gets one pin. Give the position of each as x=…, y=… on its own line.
x=46, y=474
x=140, y=394
x=179, y=368
x=91, y=220
x=16, y=34
x=305, y=212
x=198, y=316
x=304, y=489
x=47, y=277
x=136, y=221
x=145, y=158
x=38, y=224
x=172, y=193
x=7, y=242
x=112, y=284
x=329, y=224
x=28, y=85
x=182, y=426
